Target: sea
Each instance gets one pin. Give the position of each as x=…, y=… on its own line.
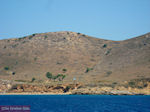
x=78, y=103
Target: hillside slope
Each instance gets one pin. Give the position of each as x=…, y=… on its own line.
x=34, y=55
x=125, y=60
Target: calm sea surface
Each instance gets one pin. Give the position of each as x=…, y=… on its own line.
x=79, y=103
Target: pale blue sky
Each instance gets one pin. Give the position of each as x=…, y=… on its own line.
x=108, y=19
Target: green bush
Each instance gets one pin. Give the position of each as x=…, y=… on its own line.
x=6, y=68
x=108, y=73
x=33, y=79
x=139, y=83
x=45, y=37
x=49, y=75
x=107, y=52
x=64, y=70
x=67, y=88
x=61, y=77
x=35, y=58
x=54, y=77
x=105, y=45
x=88, y=69
x=20, y=80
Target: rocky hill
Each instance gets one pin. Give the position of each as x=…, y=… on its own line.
x=88, y=59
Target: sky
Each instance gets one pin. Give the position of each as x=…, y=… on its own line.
x=107, y=19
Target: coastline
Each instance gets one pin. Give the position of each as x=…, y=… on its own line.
x=72, y=89
x=69, y=93
x=76, y=94
x=35, y=94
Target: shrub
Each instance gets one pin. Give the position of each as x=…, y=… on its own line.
x=33, y=79
x=45, y=37
x=19, y=39
x=30, y=37
x=59, y=63
x=108, y=73
x=20, y=80
x=35, y=58
x=105, y=45
x=107, y=52
x=54, y=77
x=88, y=69
x=67, y=88
x=63, y=77
x=49, y=75
x=16, y=63
x=13, y=73
x=60, y=77
x=131, y=84
x=64, y=70
x=14, y=46
x=139, y=83
x=6, y=68
x=14, y=87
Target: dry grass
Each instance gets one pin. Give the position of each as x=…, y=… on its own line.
x=37, y=54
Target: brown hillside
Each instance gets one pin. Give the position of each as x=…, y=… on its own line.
x=34, y=55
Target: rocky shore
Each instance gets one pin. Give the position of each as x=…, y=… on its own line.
x=112, y=91
x=70, y=89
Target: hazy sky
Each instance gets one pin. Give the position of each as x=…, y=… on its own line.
x=108, y=19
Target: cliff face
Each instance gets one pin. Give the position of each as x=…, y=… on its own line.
x=88, y=59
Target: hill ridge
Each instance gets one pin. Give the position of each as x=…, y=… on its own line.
x=34, y=55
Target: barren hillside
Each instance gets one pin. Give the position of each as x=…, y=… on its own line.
x=87, y=58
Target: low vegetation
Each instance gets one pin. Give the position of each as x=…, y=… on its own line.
x=45, y=37
x=35, y=58
x=107, y=52
x=33, y=34
x=33, y=79
x=64, y=70
x=139, y=83
x=88, y=69
x=21, y=81
x=105, y=45
x=6, y=68
x=49, y=75
x=59, y=77
x=108, y=73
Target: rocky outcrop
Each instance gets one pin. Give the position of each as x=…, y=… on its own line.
x=56, y=89
x=5, y=85
x=142, y=87
x=120, y=90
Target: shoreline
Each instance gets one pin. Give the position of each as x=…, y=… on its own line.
x=72, y=94
x=68, y=89
x=35, y=94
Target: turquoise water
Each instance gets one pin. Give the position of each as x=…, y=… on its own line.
x=79, y=103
